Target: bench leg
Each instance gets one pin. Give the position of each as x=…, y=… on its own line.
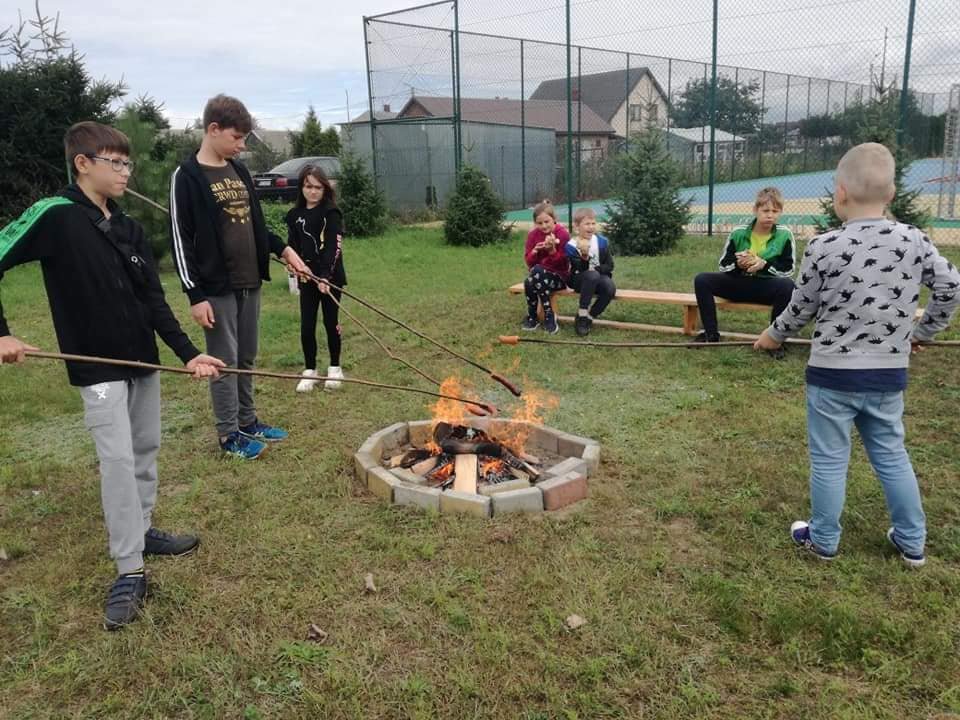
x=691, y=319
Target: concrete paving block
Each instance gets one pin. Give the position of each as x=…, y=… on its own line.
x=453, y=501
x=591, y=456
x=422, y=497
x=573, y=464
x=408, y=476
x=564, y=490
x=527, y=500
x=362, y=462
x=419, y=432
x=505, y=486
x=381, y=482
x=571, y=445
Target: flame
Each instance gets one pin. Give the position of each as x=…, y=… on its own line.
x=442, y=473
x=534, y=404
x=492, y=465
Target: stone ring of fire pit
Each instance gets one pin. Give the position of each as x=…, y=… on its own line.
x=549, y=474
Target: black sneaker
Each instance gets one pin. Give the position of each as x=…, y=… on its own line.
x=158, y=542
x=705, y=337
x=550, y=325
x=124, y=601
x=582, y=325
x=910, y=559
x=800, y=534
x=529, y=323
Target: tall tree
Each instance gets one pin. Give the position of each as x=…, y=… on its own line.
x=737, y=108
x=312, y=139
x=44, y=89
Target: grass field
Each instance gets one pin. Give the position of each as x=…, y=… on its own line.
x=696, y=604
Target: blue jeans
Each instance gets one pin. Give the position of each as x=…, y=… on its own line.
x=879, y=419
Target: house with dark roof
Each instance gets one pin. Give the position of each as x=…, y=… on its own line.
x=625, y=100
x=594, y=132
x=384, y=114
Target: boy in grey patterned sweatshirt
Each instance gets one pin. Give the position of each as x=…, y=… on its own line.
x=862, y=282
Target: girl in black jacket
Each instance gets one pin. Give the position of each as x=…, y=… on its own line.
x=315, y=231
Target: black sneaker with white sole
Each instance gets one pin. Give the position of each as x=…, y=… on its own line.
x=800, y=534
x=911, y=560
x=529, y=323
x=158, y=542
x=550, y=325
x=124, y=600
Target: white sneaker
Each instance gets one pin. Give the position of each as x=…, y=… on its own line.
x=306, y=385
x=334, y=371
x=294, y=285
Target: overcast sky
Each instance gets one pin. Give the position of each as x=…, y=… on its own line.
x=280, y=57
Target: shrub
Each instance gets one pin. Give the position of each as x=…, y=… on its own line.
x=474, y=211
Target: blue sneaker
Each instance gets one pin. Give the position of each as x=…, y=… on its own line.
x=550, y=324
x=242, y=447
x=264, y=433
x=911, y=560
x=800, y=534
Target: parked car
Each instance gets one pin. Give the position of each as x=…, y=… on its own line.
x=282, y=183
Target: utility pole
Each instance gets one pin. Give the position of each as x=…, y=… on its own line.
x=883, y=62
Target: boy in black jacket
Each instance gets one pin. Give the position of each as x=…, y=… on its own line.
x=107, y=301
x=221, y=249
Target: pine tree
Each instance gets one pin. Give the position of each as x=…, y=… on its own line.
x=474, y=211
x=363, y=205
x=647, y=216
x=44, y=89
x=312, y=139
x=905, y=205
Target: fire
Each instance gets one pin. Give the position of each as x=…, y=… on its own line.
x=534, y=404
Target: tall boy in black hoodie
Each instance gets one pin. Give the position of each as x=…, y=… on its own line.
x=221, y=248
x=107, y=301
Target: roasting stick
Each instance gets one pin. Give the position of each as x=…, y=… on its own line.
x=516, y=339
x=490, y=408
x=493, y=375
x=378, y=341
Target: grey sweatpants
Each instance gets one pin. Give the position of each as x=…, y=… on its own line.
x=124, y=419
x=233, y=339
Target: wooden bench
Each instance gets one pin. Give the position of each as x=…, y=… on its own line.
x=688, y=301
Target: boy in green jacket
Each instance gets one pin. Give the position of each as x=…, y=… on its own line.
x=756, y=267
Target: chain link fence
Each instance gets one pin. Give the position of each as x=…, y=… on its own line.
x=543, y=96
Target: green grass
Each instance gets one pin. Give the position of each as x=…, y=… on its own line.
x=696, y=604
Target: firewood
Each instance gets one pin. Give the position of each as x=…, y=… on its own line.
x=425, y=466
x=465, y=471
x=396, y=460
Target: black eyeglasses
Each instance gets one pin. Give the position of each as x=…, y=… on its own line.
x=117, y=164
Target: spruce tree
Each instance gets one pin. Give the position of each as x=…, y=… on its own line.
x=474, y=211
x=647, y=216
x=905, y=205
x=361, y=201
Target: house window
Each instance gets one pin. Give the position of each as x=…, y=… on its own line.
x=635, y=113
x=652, y=113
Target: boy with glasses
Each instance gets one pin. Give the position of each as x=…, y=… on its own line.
x=107, y=301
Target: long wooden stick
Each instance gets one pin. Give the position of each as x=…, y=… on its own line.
x=516, y=339
x=256, y=373
x=377, y=340
x=493, y=375
x=393, y=356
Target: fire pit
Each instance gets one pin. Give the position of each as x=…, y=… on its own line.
x=482, y=466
